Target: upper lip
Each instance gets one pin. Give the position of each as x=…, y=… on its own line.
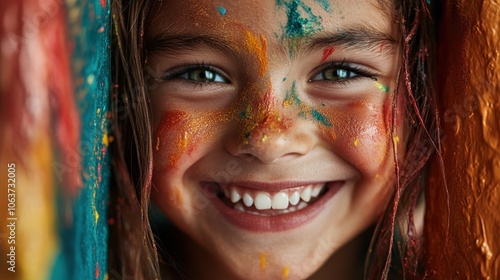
x=272, y=186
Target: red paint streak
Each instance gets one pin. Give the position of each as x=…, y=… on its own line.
x=382, y=46
x=103, y=4
x=96, y=270
x=326, y=53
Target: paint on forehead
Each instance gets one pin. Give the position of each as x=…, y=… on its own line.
x=325, y=4
x=301, y=21
x=258, y=47
x=305, y=111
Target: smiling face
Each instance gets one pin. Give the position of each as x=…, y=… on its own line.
x=272, y=126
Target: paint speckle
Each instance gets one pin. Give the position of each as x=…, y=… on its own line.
x=326, y=53
x=284, y=79
x=356, y=142
x=103, y=3
x=221, y=10
x=381, y=86
x=262, y=258
x=285, y=273
x=101, y=29
x=90, y=79
x=105, y=139
x=96, y=215
x=264, y=138
x=396, y=139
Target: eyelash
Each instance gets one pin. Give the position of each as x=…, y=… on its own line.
x=182, y=70
x=359, y=71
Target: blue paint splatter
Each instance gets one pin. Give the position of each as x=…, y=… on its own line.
x=429, y=2
x=326, y=5
x=291, y=98
x=222, y=10
x=298, y=26
x=321, y=118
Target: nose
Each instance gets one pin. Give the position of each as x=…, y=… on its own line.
x=272, y=137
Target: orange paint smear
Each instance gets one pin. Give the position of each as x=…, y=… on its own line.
x=262, y=117
x=257, y=46
x=326, y=53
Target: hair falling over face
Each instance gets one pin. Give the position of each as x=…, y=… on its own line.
x=396, y=245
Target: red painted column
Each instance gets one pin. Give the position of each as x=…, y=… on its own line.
x=463, y=237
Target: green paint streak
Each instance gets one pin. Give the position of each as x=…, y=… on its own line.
x=321, y=118
x=292, y=98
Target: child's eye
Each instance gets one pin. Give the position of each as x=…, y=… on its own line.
x=334, y=74
x=341, y=72
x=202, y=76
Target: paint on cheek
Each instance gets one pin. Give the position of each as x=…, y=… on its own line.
x=177, y=135
x=263, y=259
x=258, y=47
x=356, y=142
x=381, y=86
x=221, y=10
x=326, y=53
x=285, y=272
x=304, y=110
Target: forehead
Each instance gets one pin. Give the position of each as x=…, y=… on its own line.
x=272, y=18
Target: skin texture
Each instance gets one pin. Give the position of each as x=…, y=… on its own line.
x=469, y=98
x=270, y=118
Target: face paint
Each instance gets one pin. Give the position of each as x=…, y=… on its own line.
x=258, y=47
x=304, y=110
x=326, y=53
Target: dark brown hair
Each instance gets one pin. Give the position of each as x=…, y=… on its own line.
x=132, y=246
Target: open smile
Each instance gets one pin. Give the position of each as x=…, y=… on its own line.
x=249, y=206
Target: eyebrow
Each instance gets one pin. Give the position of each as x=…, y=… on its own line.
x=173, y=44
x=355, y=38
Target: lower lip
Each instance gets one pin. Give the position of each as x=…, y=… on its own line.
x=275, y=223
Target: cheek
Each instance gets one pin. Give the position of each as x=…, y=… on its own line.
x=178, y=136
x=360, y=134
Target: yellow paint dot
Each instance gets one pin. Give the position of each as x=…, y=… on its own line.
x=96, y=215
x=264, y=138
x=90, y=79
x=263, y=260
x=285, y=272
x=98, y=110
x=106, y=277
x=396, y=139
x=356, y=142
x=105, y=139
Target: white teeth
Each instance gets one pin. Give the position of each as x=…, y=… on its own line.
x=262, y=201
x=235, y=196
x=247, y=200
x=280, y=201
x=239, y=207
x=306, y=194
x=316, y=190
x=301, y=205
x=294, y=198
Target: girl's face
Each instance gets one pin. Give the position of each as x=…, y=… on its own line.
x=273, y=144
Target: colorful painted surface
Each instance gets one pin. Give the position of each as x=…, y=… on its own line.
x=86, y=241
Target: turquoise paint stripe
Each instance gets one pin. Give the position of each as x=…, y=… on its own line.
x=85, y=243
